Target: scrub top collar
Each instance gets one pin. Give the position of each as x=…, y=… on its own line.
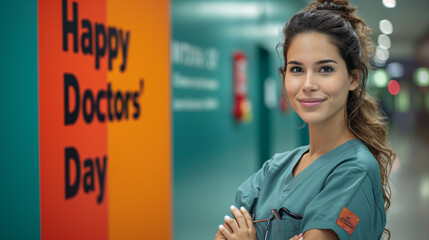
x=291, y=181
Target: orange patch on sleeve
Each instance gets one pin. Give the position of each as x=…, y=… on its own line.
x=347, y=220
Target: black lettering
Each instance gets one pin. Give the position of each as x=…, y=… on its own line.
x=116, y=40
x=86, y=40
x=70, y=117
x=347, y=222
x=135, y=100
x=87, y=96
x=101, y=94
x=136, y=113
x=113, y=45
x=120, y=104
x=88, y=178
x=124, y=43
x=100, y=50
x=127, y=100
x=72, y=155
x=101, y=177
x=109, y=101
x=118, y=98
x=70, y=27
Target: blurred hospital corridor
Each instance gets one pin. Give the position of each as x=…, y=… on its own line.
x=409, y=213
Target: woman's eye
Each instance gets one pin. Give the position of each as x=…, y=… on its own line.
x=326, y=69
x=295, y=69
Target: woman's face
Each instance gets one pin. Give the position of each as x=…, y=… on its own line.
x=316, y=79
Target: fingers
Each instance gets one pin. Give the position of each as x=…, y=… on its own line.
x=239, y=227
x=298, y=237
x=220, y=236
x=239, y=217
x=225, y=232
x=247, y=217
x=228, y=227
x=231, y=224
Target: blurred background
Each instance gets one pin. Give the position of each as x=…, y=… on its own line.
x=217, y=145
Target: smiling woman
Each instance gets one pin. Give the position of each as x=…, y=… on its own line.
x=337, y=187
x=317, y=79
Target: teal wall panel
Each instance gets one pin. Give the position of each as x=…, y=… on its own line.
x=19, y=150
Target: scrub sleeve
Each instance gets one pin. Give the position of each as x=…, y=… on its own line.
x=346, y=205
x=248, y=192
x=248, y=195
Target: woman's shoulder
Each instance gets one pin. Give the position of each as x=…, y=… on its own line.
x=361, y=157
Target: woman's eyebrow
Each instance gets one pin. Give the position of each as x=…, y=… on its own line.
x=294, y=62
x=318, y=63
x=326, y=61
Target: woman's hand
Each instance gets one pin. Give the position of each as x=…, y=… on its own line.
x=298, y=237
x=240, y=228
x=219, y=235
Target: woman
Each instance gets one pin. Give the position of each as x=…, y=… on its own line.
x=337, y=187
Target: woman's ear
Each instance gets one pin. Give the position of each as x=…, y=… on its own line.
x=355, y=78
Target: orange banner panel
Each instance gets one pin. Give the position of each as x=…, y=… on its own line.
x=139, y=147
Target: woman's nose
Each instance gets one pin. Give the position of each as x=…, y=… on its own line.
x=310, y=83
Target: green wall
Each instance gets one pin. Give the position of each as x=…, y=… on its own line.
x=19, y=143
x=213, y=154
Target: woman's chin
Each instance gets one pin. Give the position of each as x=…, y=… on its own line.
x=311, y=119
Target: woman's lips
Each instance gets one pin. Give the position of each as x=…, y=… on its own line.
x=311, y=102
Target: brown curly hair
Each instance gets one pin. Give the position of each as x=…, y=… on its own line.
x=338, y=19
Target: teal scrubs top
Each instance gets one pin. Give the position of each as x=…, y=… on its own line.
x=340, y=190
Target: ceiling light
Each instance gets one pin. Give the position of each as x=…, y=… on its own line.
x=421, y=77
x=386, y=26
x=381, y=78
x=395, y=69
x=389, y=3
x=230, y=9
x=381, y=53
x=384, y=40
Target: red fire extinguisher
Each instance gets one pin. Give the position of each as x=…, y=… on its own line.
x=242, y=106
x=284, y=104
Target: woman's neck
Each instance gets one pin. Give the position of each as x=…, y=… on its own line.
x=326, y=136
